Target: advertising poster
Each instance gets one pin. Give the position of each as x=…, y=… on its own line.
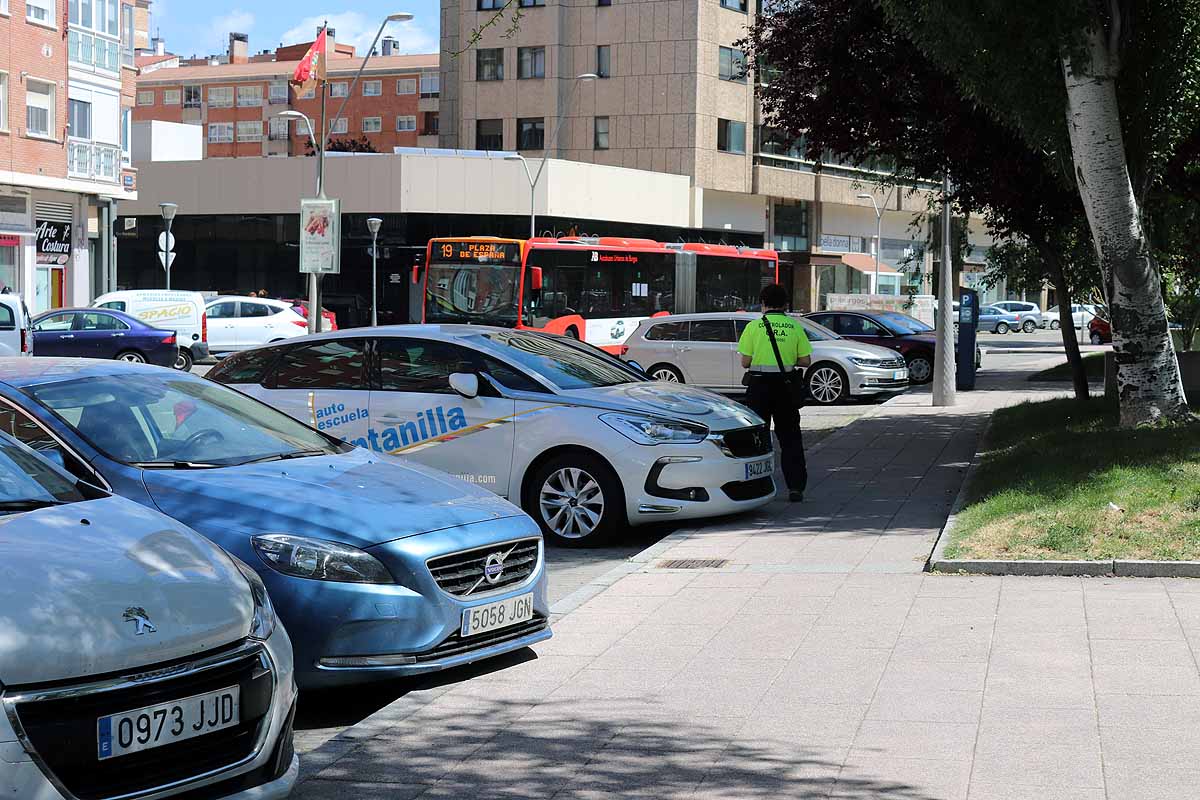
x=320, y=236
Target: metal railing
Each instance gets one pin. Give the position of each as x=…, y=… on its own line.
x=93, y=161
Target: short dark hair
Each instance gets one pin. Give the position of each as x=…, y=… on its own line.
x=774, y=296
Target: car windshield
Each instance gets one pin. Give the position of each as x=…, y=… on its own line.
x=902, y=323
x=815, y=331
x=176, y=420
x=26, y=481
x=565, y=366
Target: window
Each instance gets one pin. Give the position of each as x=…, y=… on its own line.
x=408, y=123
x=339, y=125
x=55, y=322
x=668, y=332
x=531, y=133
x=372, y=124
x=431, y=123
x=278, y=128
x=3, y=101
x=711, y=330
x=735, y=5
x=127, y=35
x=490, y=5
x=21, y=427
x=39, y=108
x=531, y=62
x=226, y=310
x=489, y=64
x=112, y=27
x=246, y=367
x=40, y=11
x=220, y=96
x=420, y=365
x=100, y=322
x=489, y=134
x=172, y=97
x=406, y=86
x=191, y=97
x=732, y=65
x=604, y=2
x=731, y=284
x=604, y=61
x=249, y=96
x=339, y=364
x=530, y=3
x=731, y=136
x=145, y=97
x=277, y=93
x=250, y=310
x=372, y=88
x=249, y=130
x=431, y=84
x=601, y=141
x=126, y=123
x=220, y=132
x=340, y=89
x=307, y=94
x=79, y=119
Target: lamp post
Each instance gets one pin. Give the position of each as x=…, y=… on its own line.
x=314, y=313
x=878, y=229
x=373, y=224
x=533, y=179
x=168, y=214
x=400, y=16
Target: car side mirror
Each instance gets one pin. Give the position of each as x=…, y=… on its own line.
x=637, y=366
x=465, y=384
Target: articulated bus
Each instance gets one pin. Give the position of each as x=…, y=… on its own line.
x=594, y=289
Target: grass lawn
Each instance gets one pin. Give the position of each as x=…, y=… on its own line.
x=1050, y=471
x=1092, y=362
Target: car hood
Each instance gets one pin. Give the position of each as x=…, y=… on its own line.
x=675, y=400
x=848, y=348
x=356, y=498
x=74, y=574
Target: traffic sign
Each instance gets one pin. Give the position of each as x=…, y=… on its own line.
x=166, y=259
x=166, y=241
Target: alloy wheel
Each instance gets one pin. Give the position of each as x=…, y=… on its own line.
x=571, y=502
x=1028, y=326
x=825, y=385
x=1002, y=328
x=665, y=374
x=132, y=357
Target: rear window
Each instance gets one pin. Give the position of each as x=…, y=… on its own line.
x=250, y=366
x=8, y=320
x=667, y=332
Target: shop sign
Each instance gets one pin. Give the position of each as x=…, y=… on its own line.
x=320, y=236
x=53, y=242
x=835, y=243
x=10, y=241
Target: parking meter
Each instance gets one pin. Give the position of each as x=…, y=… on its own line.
x=968, y=324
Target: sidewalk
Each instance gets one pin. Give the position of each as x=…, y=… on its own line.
x=819, y=661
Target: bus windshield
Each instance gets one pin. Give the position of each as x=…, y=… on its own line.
x=473, y=282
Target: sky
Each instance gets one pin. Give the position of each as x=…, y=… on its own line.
x=192, y=28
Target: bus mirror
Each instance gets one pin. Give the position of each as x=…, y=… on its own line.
x=535, y=278
x=416, y=276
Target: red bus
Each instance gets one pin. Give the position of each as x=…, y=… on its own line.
x=595, y=289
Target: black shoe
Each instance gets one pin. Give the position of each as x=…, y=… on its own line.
x=795, y=496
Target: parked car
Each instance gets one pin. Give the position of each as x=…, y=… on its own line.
x=996, y=320
x=595, y=445
x=96, y=333
x=168, y=309
x=138, y=660
x=1080, y=313
x=378, y=567
x=328, y=318
x=1100, y=331
x=239, y=323
x=1029, y=315
x=701, y=349
x=912, y=338
x=16, y=338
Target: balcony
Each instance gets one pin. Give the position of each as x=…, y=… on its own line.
x=92, y=161
x=93, y=52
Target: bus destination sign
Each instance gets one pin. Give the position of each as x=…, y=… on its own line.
x=478, y=252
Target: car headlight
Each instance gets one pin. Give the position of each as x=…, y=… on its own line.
x=649, y=431
x=319, y=560
x=867, y=362
x=262, y=625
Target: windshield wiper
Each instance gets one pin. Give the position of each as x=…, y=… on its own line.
x=29, y=504
x=282, y=457
x=175, y=465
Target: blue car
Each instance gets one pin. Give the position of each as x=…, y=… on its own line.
x=94, y=333
x=997, y=320
x=377, y=567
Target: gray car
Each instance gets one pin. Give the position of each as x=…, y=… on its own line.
x=701, y=349
x=1029, y=315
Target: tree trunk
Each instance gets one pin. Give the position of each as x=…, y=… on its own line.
x=1148, y=380
x=1066, y=321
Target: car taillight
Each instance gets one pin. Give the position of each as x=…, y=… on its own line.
x=624, y=349
x=303, y=323
x=169, y=340
x=203, y=327
x=24, y=341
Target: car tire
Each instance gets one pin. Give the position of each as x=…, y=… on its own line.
x=576, y=476
x=666, y=373
x=183, y=362
x=1029, y=326
x=1097, y=339
x=1055, y=325
x=1002, y=328
x=920, y=368
x=827, y=383
x=131, y=356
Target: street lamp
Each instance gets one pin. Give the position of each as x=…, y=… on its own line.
x=533, y=179
x=400, y=16
x=314, y=313
x=373, y=224
x=878, y=228
x=168, y=214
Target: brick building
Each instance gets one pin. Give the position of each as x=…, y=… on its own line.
x=237, y=99
x=66, y=92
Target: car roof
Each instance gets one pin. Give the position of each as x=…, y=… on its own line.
x=442, y=332
x=698, y=316
x=124, y=316
x=20, y=372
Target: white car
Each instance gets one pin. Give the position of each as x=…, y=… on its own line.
x=138, y=659
x=1080, y=314
x=581, y=440
x=16, y=338
x=240, y=323
x=701, y=349
x=169, y=309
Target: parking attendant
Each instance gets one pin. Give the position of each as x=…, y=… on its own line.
x=582, y=441
x=377, y=567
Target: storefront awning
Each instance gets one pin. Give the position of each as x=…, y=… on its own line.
x=864, y=262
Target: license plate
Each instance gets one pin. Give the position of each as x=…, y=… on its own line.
x=501, y=614
x=757, y=469
x=166, y=723
x=900, y=375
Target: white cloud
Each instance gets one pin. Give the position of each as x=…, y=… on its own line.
x=353, y=27
x=236, y=21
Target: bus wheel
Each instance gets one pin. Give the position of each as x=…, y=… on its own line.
x=572, y=332
x=576, y=499
x=665, y=372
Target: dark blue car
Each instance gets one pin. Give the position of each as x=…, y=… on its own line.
x=100, y=333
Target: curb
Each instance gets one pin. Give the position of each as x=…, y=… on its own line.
x=1025, y=568
x=1156, y=569
x=937, y=561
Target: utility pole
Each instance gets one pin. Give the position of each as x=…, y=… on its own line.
x=943, y=361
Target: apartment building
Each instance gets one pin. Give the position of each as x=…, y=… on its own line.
x=671, y=93
x=237, y=99
x=66, y=89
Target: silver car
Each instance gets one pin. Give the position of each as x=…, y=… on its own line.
x=701, y=349
x=1029, y=315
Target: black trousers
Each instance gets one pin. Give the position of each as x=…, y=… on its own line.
x=770, y=398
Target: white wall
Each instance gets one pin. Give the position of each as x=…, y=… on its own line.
x=730, y=211
x=154, y=140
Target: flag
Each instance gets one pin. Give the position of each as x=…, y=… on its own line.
x=311, y=68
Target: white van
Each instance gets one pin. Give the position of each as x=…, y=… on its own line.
x=15, y=337
x=182, y=312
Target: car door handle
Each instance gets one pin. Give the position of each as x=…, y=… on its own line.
x=114, y=335
x=67, y=336
x=685, y=349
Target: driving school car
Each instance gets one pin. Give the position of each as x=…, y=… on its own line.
x=582, y=441
x=377, y=567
